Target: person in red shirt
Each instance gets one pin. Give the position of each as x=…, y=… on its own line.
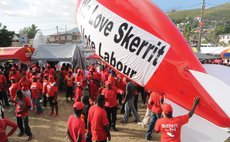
x=36, y=89
x=52, y=91
x=110, y=93
x=13, y=89
x=104, y=74
x=79, y=76
x=15, y=73
x=25, y=86
x=3, y=86
x=169, y=126
x=155, y=100
x=76, y=126
x=78, y=92
x=4, y=123
x=22, y=107
x=97, y=125
x=69, y=86
x=44, y=89
x=121, y=85
x=94, y=80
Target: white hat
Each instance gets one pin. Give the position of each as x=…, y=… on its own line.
x=78, y=83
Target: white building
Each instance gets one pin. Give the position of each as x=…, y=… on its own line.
x=225, y=38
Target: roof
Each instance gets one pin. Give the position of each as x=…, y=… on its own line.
x=60, y=52
x=22, y=54
x=204, y=56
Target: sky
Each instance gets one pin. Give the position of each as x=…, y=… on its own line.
x=50, y=15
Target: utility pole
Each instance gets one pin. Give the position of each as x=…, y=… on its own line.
x=58, y=35
x=201, y=24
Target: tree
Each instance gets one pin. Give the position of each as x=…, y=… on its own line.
x=30, y=31
x=6, y=36
x=219, y=30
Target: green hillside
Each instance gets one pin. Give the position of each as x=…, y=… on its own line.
x=220, y=12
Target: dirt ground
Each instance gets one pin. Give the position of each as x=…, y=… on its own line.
x=53, y=129
x=46, y=128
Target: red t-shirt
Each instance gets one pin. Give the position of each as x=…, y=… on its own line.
x=4, y=123
x=171, y=128
x=79, y=78
x=20, y=105
x=98, y=119
x=13, y=90
x=78, y=94
x=52, y=89
x=76, y=126
x=104, y=76
x=25, y=84
x=156, y=98
x=111, y=96
x=2, y=82
x=16, y=75
x=69, y=80
x=36, y=89
x=44, y=87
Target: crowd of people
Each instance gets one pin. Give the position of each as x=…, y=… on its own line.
x=95, y=113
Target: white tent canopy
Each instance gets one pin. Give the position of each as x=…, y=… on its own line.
x=213, y=50
x=61, y=52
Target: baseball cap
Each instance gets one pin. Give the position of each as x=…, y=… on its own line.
x=107, y=83
x=167, y=108
x=34, y=77
x=78, y=83
x=78, y=105
x=13, y=78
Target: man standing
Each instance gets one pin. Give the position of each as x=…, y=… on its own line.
x=52, y=91
x=98, y=122
x=110, y=93
x=155, y=101
x=3, y=85
x=129, y=102
x=76, y=126
x=170, y=126
x=69, y=79
x=22, y=107
x=4, y=124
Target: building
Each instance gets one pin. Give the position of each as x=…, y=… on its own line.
x=225, y=38
x=72, y=36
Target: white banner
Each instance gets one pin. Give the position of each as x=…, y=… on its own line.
x=128, y=48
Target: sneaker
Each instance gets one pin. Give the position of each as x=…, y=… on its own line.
x=137, y=121
x=29, y=138
x=148, y=138
x=123, y=121
x=114, y=129
x=20, y=134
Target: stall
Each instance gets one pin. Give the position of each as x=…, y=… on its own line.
x=21, y=54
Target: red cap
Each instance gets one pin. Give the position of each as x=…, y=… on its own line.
x=107, y=83
x=34, y=65
x=13, y=69
x=78, y=105
x=34, y=77
x=46, y=74
x=167, y=108
x=51, y=77
x=13, y=78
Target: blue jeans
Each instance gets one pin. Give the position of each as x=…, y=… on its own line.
x=129, y=105
x=153, y=119
x=38, y=105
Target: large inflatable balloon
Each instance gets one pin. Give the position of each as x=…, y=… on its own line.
x=137, y=39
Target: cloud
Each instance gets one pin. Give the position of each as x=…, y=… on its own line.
x=38, y=8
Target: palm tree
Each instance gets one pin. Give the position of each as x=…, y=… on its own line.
x=32, y=31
